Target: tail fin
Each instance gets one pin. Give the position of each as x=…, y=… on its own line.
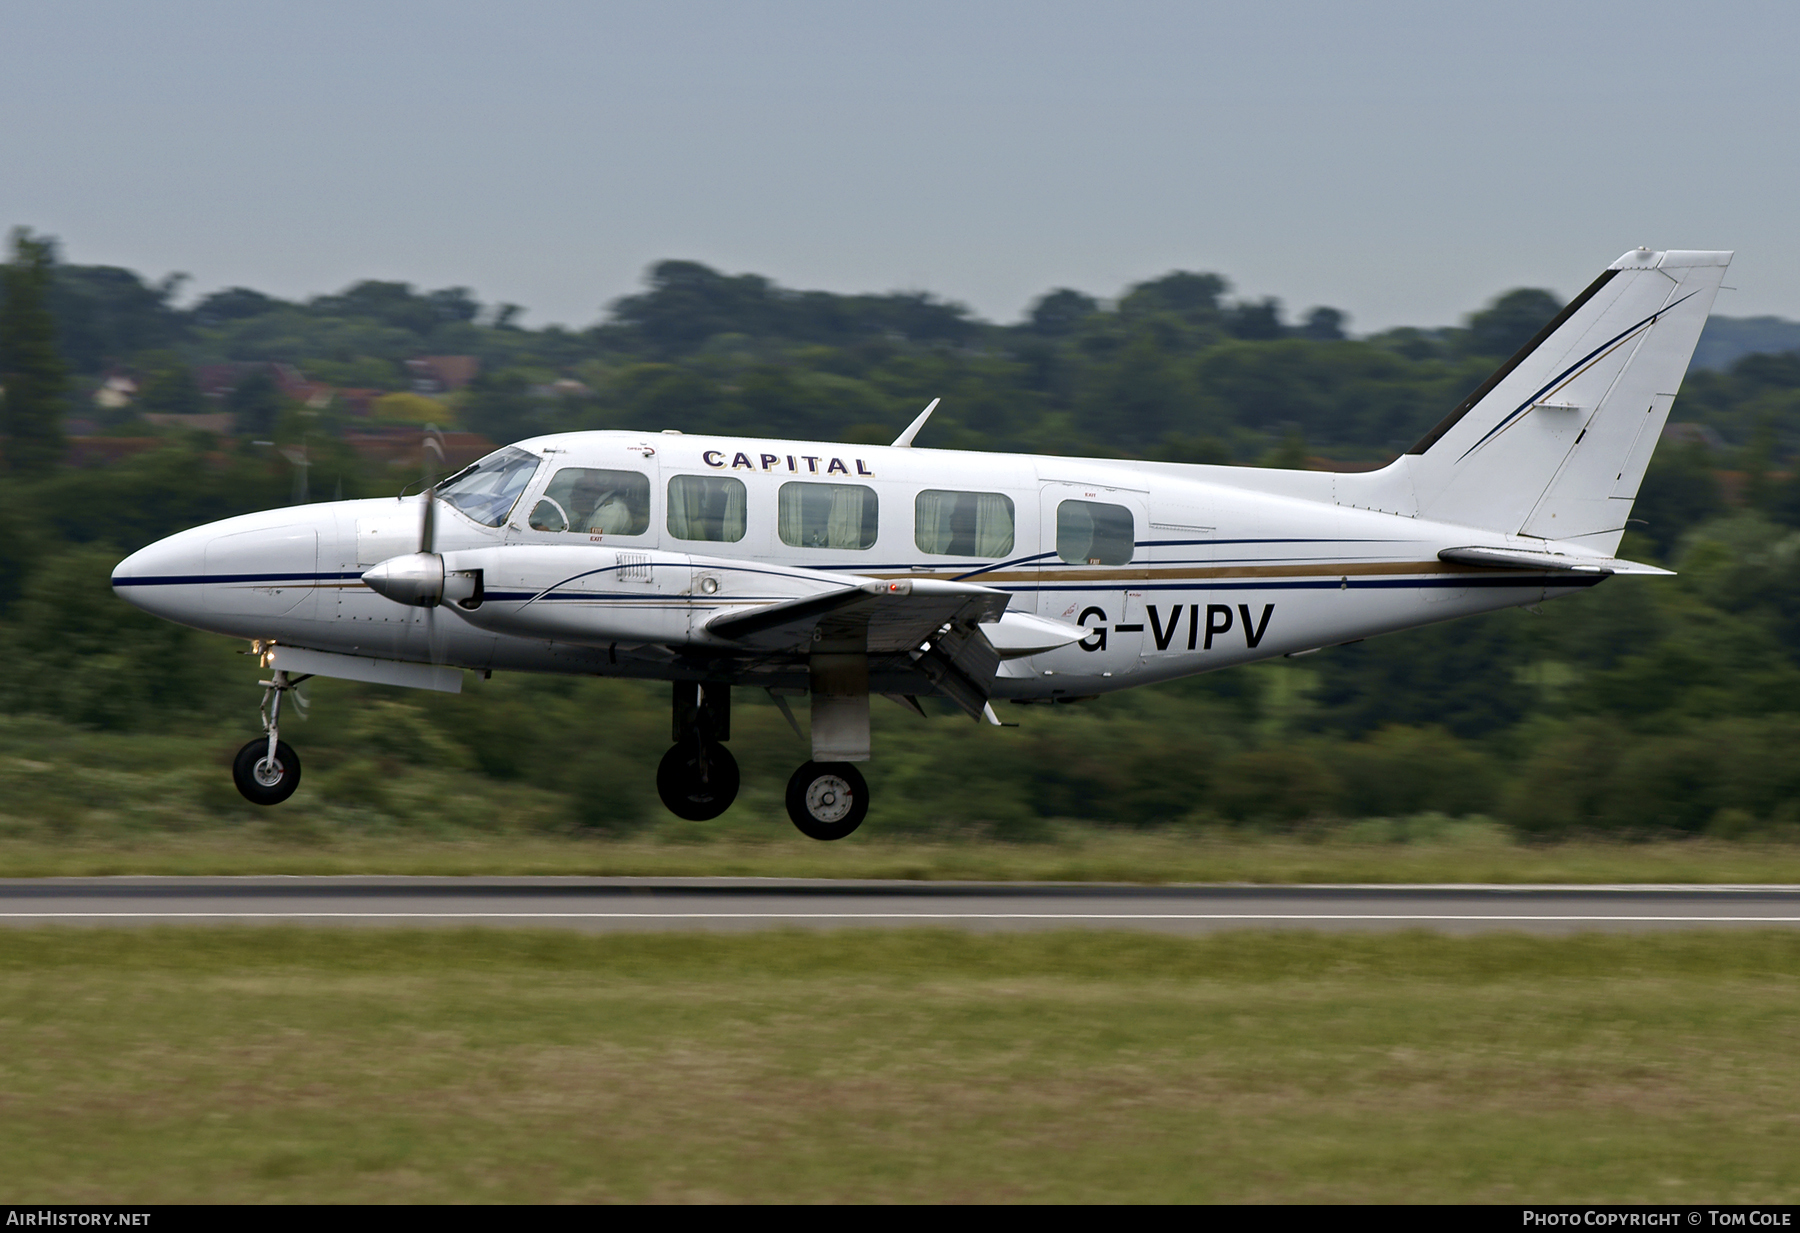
x=1554, y=444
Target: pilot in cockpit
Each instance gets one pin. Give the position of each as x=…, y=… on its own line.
x=598, y=507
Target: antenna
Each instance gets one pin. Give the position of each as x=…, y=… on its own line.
x=904, y=440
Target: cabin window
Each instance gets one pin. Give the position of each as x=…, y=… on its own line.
x=488, y=490
x=827, y=516
x=1093, y=533
x=708, y=507
x=963, y=524
x=595, y=502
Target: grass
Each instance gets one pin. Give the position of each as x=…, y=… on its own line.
x=287, y=1065
x=1072, y=854
x=79, y=803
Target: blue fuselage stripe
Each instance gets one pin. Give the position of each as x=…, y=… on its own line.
x=195, y=580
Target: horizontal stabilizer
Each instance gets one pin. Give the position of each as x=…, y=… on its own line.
x=1530, y=558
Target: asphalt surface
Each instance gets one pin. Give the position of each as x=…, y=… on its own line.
x=599, y=905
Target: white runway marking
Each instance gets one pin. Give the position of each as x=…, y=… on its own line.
x=1318, y=916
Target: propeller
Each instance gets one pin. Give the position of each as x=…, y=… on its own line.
x=428, y=520
x=432, y=444
x=434, y=642
x=418, y=579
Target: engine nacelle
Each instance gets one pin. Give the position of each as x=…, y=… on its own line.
x=419, y=580
x=596, y=595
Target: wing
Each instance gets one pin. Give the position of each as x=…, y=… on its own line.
x=955, y=633
x=878, y=617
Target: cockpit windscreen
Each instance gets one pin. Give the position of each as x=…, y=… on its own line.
x=488, y=490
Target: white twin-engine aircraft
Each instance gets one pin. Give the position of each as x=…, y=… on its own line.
x=838, y=572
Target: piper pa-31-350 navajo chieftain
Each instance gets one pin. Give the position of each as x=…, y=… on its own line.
x=839, y=572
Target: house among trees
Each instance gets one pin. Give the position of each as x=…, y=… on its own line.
x=220, y=382
x=442, y=374
x=116, y=390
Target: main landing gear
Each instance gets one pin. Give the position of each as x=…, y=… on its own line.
x=827, y=800
x=698, y=778
x=267, y=770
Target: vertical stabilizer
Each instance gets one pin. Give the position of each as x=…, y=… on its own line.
x=1554, y=444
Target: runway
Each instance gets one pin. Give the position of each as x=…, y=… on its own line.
x=598, y=905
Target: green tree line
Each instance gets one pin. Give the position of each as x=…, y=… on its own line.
x=1174, y=367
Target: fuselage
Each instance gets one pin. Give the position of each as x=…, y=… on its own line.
x=615, y=551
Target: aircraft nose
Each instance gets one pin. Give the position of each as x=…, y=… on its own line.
x=164, y=578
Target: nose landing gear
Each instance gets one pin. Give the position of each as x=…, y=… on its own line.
x=267, y=770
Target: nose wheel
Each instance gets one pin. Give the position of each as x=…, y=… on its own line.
x=827, y=800
x=267, y=770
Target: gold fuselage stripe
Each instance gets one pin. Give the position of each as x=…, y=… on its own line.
x=1140, y=573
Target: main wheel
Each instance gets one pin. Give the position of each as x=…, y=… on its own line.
x=697, y=781
x=827, y=800
x=263, y=782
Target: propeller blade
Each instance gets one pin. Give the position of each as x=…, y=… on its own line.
x=435, y=639
x=432, y=442
x=428, y=520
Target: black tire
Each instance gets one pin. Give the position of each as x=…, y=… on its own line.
x=694, y=791
x=827, y=800
x=275, y=784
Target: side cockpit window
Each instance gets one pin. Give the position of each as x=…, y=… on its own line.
x=488, y=490
x=595, y=502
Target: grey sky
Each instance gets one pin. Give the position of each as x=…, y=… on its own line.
x=1402, y=161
